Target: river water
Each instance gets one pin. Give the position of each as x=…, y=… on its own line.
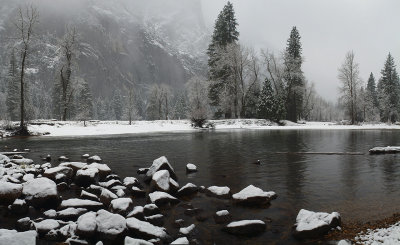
x=360, y=187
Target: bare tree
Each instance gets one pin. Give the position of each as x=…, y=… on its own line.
x=199, y=110
x=349, y=76
x=131, y=108
x=68, y=49
x=26, y=21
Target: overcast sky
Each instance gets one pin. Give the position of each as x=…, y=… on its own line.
x=328, y=29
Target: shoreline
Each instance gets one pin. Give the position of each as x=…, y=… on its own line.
x=93, y=128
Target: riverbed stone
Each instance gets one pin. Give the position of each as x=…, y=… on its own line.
x=110, y=226
x=59, y=174
x=162, y=198
x=219, y=191
x=86, y=177
x=41, y=192
x=9, y=192
x=145, y=230
x=86, y=225
x=222, y=217
x=187, y=190
x=19, y=206
x=160, y=164
x=121, y=206
x=245, y=227
x=253, y=196
x=107, y=196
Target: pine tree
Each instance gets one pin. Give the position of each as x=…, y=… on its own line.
x=225, y=33
x=370, y=100
x=371, y=89
x=294, y=76
x=180, y=108
x=266, y=103
x=117, y=104
x=85, y=106
x=389, y=89
x=12, y=89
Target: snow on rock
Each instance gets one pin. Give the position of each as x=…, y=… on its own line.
x=12, y=237
x=160, y=181
x=52, y=173
x=111, y=183
x=137, y=212
x=107, y=196
x=46, y=225
x=23, y=161
x=245, y=227
x=187, y=190
x=51, y=213
x=19, y=206
x=121, y=205
x=314, y=224
x=389, y=235
x=187, y=230
x=160, y=164
x=74, y=165
x=4, y=159
x=89, y=196
x=41, y=192
x=222, y=217
x=157, y=219
x=133, y=241
x=345, y=242
x=94, y=158
x=252, y=195
x=181, y=240
x=104, y=170
x=131, y=181
x=28, y=177
x=385, y=150
x=145, y=230
x=110, y=226
x=86, y=177
x=190, y=168
x=162, y=198
x=70, y=213
x=219, y=191
x=81, y=203
x=9, y=192
x=86, y=225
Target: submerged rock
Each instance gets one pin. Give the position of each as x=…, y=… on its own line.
x=245, y=227
x=219, y=191
x=314, y=224
x=222, y=217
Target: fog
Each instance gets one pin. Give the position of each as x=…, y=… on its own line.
x=328, y=29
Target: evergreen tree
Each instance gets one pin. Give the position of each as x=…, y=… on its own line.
x=225, y=33
x=180, y=108
x=85, y=106
x=371, y=89
x=266, y=103
x=370, y=100
x=117, y=104
x=13, y=89
x=294, y=76
x=389, y=91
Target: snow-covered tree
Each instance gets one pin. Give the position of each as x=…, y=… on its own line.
x=131, y=111
x=266, y=106
x=85, y=102
x=13, y=89
x=117, y=104
x=350, y=84
x=199, y=109
x=180, y=106
x=370, y=100
x=388, y=91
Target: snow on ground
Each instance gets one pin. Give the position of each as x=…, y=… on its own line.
x=74, y=128
x=390, y=235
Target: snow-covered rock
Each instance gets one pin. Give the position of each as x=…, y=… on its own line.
x=133, y=241
x=81, y=203
x=389, y=235
x=219, y=191
x=70, y=213
x=131, y=181
x=160, y=164
x=24, y=224
x=28, y=177
x=160, y=181
x=107, y=196
x=162, y=198
x=137, y=212
x=12, y=237
x=121, y=205
x=41, y=192
x=181, y=240
x=190, y=168
x=74, y=165
x=86, y=225
x=385, y=150
x=187, y=230
x=252, y=195
x=23, y=161
x=145, y=230
x=89, y=196
x=245, y=227
x=94, y=158
x=109, y=184
x=314, y=224
x=157, y=219
x=4, y=159
x=110, y=226
x=222, y=217
x=56, y=172
x=9, y=192
x=187, y=190
x=86, y=177
x=19, y=206
x=104, y=170
x=46, y=225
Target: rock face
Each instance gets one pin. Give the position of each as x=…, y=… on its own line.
x=41, y=192
x=314, y=224
x=110, y=226
x=12, y=237
x=160, y=164
x=245, y=227
x=145, y=230
x=219, y=191
x=252, y=195
x=9, y=192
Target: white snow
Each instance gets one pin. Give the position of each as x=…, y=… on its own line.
x=390, y=235
x=76, y=203
x=12, y=237
x=136, y=210
x=121, y=204
x=87, y=222
x=252, y=191
x=188, y=185
x=47, y=225
x=308, y=220
x=157, y=163
x=7, y=188
x=222, y=213
x=100, y=166
x=186, y=230
x=181, y=240
x=130, y=181
x=109, y=223
x=146, y=227
x=132, y=241
x=157, y=195
x=73, y=128
x=90, y=172
x=161, y=177
x=40, y=187
x=245, y=222
x=219, y=190
x=385, y=149
x=95, y=158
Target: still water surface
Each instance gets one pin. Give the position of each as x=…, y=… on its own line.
x=360, y=187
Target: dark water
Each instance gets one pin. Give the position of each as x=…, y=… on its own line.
x=360, y=187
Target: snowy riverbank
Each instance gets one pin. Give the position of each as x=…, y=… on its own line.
x=77, y=128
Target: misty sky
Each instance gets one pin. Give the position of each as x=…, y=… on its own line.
x=328, y=29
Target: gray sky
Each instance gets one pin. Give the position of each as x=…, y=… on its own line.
x=328, y=29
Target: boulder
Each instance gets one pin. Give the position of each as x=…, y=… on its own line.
x=46, y=225
x=150, y=209
x=74, y=165
x=19, y=206
x=24, y=224
x=110, y=226
x=133, y=241
x=70, y=213
x=219, y=191
x=145, y=230
x=157, y=219
x=121, y=206
x=162, y=198
x=59, y=174
x=190, y=168
x=86, y=177
x=89, y=196
x=86, y=225
x=12, y=237
x=107, y=196
x=245, y=227
x=104, y=170
x=253, y=196
x=131, y=181
x=9, y=192
x=187, y=190
x=94, y=158
x=160, y=181
x=314, y=224
x=40, y=193
x=137, y=212
x=81, y=203
x=160, y=164
x=136, y=192
x=222, y=217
